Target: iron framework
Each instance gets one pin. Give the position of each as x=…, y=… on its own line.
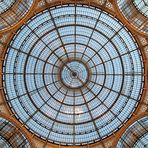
x=73, y=74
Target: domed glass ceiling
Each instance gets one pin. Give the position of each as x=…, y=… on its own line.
x=4, y=143
x=136, y=13
x=142, y=6
x=73, y=74
x=12, y=11
x=136, y=135
x=5, y=4
x=11, y=136
x=142, y=142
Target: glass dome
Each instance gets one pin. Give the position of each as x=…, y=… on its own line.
x=136, y=13
x=142, y=142
x=5, y=5
x=142, y=6
x=12, y=11
x=136, y=135
x=4, y=143
x=10, y=136
x=73, y=74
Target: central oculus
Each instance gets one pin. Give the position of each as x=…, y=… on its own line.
x=74, y=74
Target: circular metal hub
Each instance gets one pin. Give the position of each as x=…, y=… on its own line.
x=74, y=74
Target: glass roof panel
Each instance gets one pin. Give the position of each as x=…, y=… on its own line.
x=136, y=13
x=4, y=143
x=70, y=74
x=142, y=6
x=12, y=11
x=141, y=141
x=7, y=129
x=5, y=4
x=136, y=135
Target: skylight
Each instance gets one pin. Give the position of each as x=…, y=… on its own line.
x=73, y=74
